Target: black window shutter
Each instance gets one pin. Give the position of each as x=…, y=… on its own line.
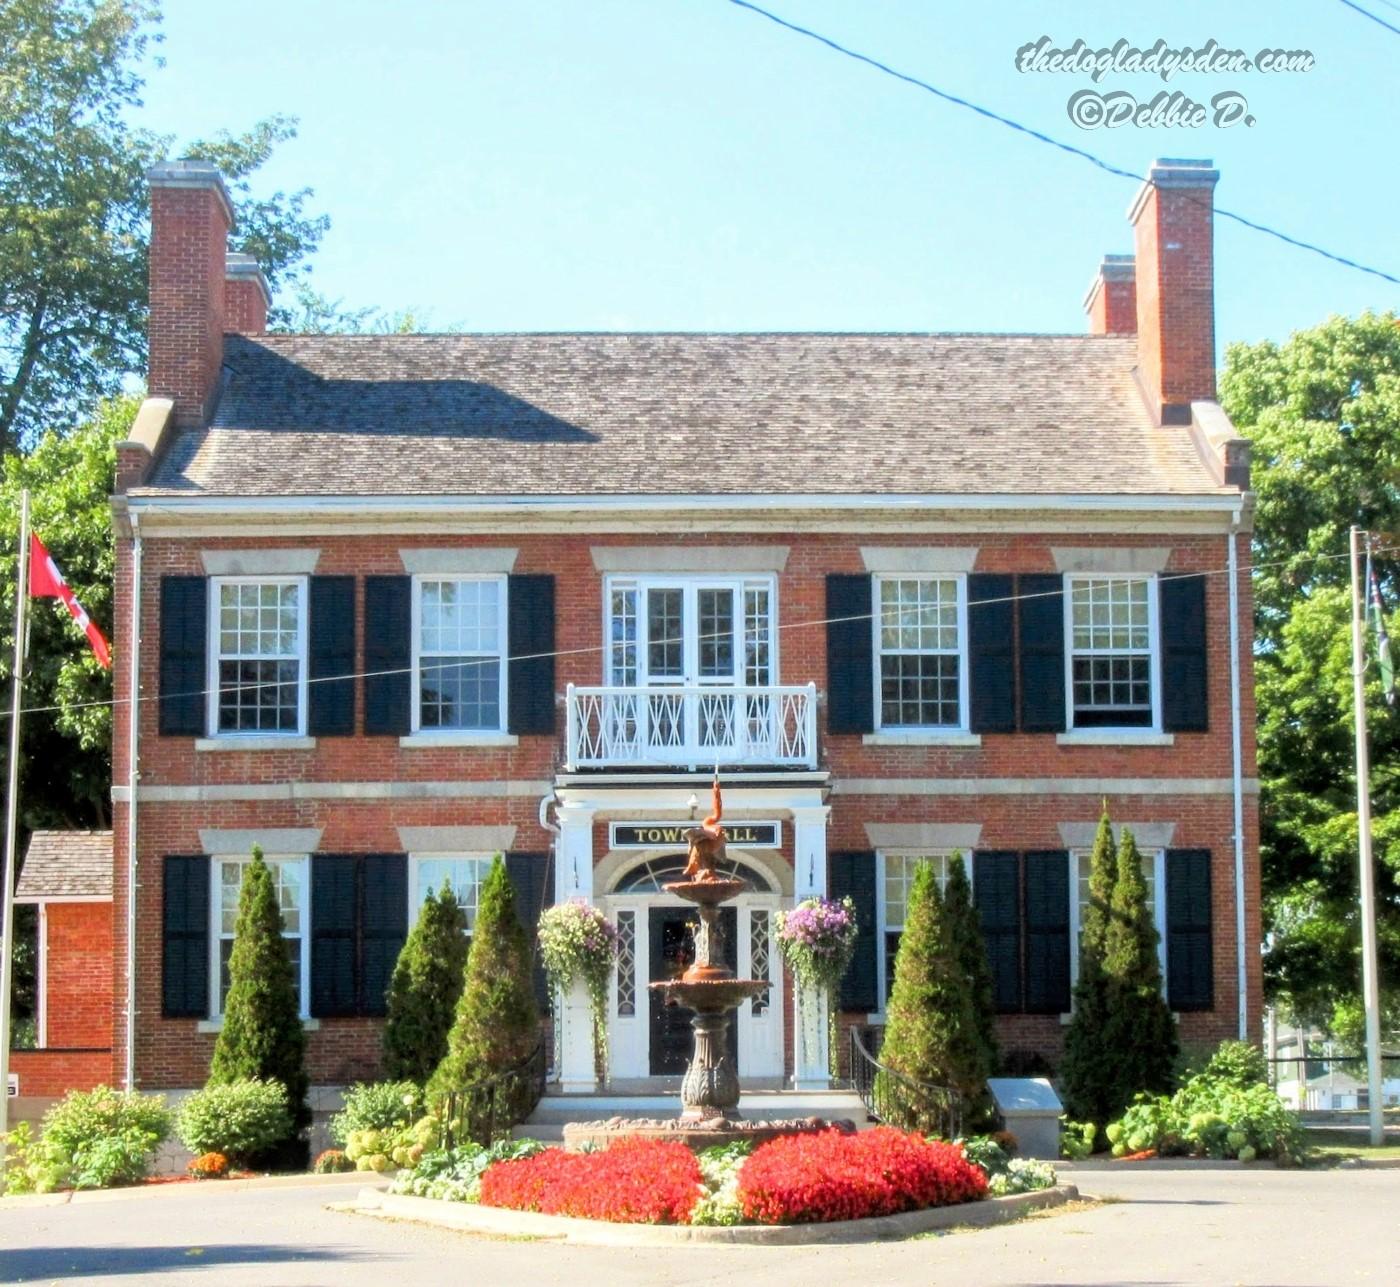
x=1047, y=931
x=184, y=965
x=383, y=926
x=1182, y=604
x=388, y=653
x=991, y=651
x=532, y=875
x=996, y=891
x=850, y=662
x=1190, y=955
x=1042, y=611
x=335, y=905
x=530, y=639
x=331, y=651
x=853, y=872
x=184, y=673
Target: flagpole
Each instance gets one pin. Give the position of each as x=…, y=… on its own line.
x=1370, y=988
x=7, y=905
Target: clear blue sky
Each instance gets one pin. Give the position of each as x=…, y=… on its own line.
x=686, y=165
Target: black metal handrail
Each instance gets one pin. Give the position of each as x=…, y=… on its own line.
x=899, y=1100
x=484, y=1112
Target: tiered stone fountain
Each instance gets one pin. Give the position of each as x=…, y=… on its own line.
x=710, y=1089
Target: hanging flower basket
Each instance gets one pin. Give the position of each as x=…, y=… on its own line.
x=817, y=939
x=579, y=944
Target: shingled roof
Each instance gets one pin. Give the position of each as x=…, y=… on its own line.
x=658, y=414
x=67, y=864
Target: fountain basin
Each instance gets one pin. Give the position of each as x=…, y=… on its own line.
x=706, y=893
x=710, y=994
x=694, y=1133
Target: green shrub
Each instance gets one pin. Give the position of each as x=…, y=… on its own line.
x=425, y=988
x=89, y=1140
x=262, y=1036
x=1077, y=1139
x=242, y=1120
x=402, y=1144
x=984, y=1152
x=1211, y=1117
x=933, y=1034
x=376, y=1106
x=1237, y=1063
x=454, y=1175
x=497, y=1023
x=332, y=1161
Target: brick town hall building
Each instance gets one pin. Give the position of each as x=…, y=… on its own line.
x=464, y=594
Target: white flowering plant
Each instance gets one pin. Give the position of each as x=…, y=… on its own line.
x=579, y=944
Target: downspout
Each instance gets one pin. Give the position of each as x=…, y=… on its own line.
x=133, y=714
x=1237, y=756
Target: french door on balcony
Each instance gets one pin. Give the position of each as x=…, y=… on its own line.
x=690, y=651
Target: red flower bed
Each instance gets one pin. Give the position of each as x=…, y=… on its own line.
x=632, y=1182
x=835, y=1176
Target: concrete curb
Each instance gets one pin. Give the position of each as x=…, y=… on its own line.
x=531, y=1224
x=142, y=1192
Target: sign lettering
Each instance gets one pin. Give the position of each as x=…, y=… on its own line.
x=662, y=835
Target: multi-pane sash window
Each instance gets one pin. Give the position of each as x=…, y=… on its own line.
x=465, y=876
x=896, y=879
x=1153, y=876
x=919, y=630
x=258, y=661
x=459, y=638
x=1111, y=627
x=289, y=878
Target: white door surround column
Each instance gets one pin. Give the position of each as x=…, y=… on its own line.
x=810, y=1050
x=573, y=878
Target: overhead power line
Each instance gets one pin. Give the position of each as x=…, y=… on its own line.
x=1040, y=137
x=809, y=624
x=1366, y=13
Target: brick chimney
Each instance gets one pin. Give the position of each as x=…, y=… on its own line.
x=1112, y=298
x=246, y=296
x=1171, y=221
x=191, y=216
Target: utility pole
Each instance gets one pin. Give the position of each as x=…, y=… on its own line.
x=1370, y=982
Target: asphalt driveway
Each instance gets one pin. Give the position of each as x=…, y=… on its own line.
x=1175, y=1225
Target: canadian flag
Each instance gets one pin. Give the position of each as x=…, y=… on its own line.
x=46, y=582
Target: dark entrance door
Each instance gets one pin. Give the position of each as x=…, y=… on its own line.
x=672, y=944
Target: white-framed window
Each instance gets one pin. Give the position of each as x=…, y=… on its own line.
x=257, y=664
x=920, y=637
x=894, y=878
x=459, y=654
x=684, y=631
x=291, y=877
x=465, y=873
x=1113, y=677
x=1154, y=876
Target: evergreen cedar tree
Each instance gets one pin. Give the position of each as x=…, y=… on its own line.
x=970, y=952
x=497, y=1021
x=1140, y=1031
x=423, y=994
x=1122, y=1039
x=262, y=1034
x=933, y=1034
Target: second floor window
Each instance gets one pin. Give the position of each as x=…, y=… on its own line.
x=259, y=670
x=459, y=654
x=919, y=636
x=1111, y=628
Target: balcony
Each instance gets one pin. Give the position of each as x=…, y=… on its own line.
x=692, y=727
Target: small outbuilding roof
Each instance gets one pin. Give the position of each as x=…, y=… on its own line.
x=66, y=864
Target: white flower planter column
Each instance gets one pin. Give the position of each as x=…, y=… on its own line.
x=809, y=1046
x=573, y=878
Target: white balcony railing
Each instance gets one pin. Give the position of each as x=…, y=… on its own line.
x=692, y=727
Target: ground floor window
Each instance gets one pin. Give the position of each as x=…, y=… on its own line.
x=1153, y=876
x=289, y=878
x=465, y=875
x=894, y=878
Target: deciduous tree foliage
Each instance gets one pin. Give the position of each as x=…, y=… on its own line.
x=423, y=993
x=1323, y=413
x=261, y=1034
x=74, y=225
